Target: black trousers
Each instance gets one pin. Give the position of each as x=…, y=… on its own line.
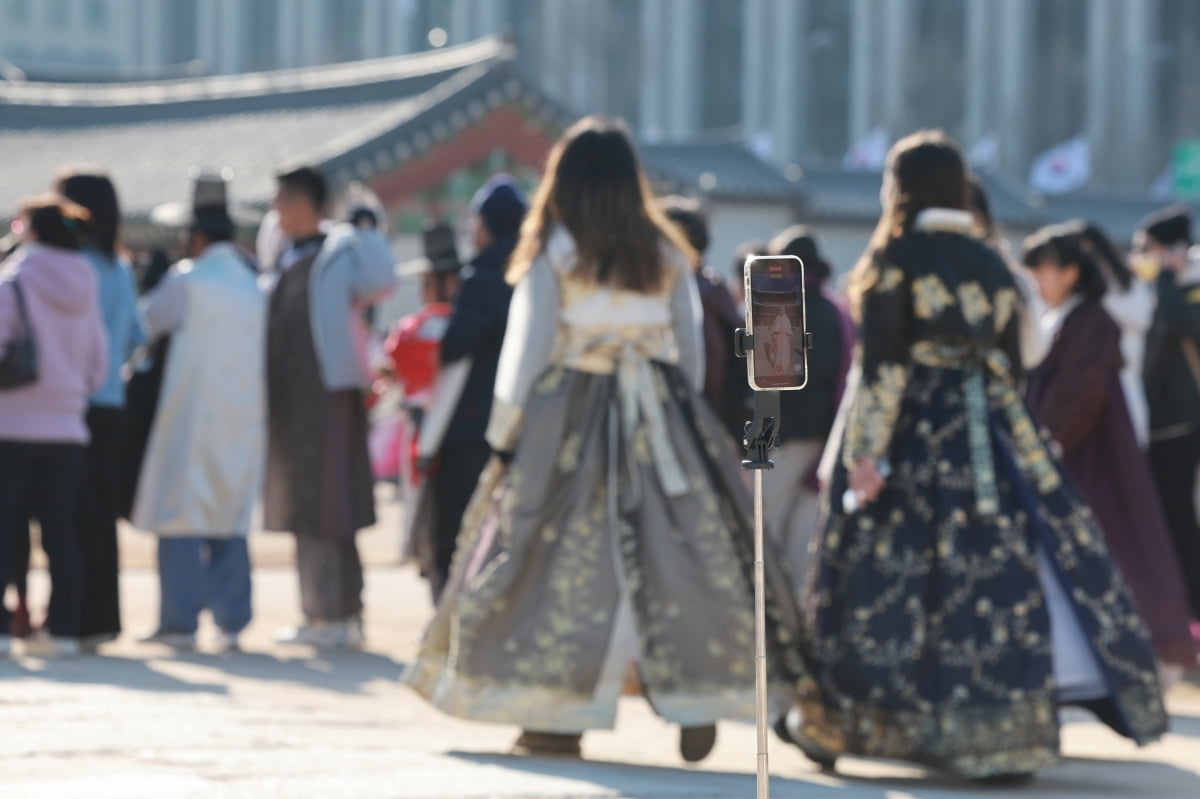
x=460, y=463
x=331, y=577
x=1175, y=463
x=96, y=521
x=42, y=480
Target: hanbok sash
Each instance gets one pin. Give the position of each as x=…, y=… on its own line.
x=988, y=373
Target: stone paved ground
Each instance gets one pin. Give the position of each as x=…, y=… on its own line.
x=271, y=722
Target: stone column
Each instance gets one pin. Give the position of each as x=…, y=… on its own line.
x=372, y=29
x=125, y=34
x=981, y=88
x=463, y=17
x=231, y=28
x=206, y=36
x=755, y=67
x=154, y=35
x=897, y=26
x=553, y=58
x=1137, y=125
x=492, y=15
x=397, y=27
x=655, y=61
x=1016, y=53
x=287, y=31
x=683, y=29
x=312, y=32
x=1101, y=56
x=583, y=42
x=789, y=92
x=863, y=58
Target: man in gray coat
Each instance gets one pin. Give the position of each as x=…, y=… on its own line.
x=319, y=484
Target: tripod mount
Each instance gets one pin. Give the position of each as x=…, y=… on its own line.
x=762, y=434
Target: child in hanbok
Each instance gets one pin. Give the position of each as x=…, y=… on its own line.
x=413, y=348
x=1076, y=394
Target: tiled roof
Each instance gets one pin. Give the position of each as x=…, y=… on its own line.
x=361, y=119
x=406, y=74
x=719, y=169
x=355, y=120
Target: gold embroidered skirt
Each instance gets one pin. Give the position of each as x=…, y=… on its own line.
x=931, y=637
x=589, y=522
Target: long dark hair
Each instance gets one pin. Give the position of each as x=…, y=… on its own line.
x=95, y=192
x=1106, y=254
x=595, y=187
x=1064, y=246
x=55, y=221
x=924, y=170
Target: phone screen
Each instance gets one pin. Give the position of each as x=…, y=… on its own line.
x=775, y=313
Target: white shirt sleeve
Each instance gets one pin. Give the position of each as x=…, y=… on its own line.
x=164, y=309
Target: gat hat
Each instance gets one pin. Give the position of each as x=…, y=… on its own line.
x=501, y=205
x=441, y=253
x=210, y=197
x=1169, y=226
x=801, y=242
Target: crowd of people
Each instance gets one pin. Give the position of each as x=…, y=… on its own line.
x=984, y=506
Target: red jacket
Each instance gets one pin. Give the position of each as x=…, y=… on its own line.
x=415, y=347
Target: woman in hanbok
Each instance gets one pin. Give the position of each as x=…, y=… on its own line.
x=965, y=591
x=1076, y=395
x=1131, y=303
x=614, y=525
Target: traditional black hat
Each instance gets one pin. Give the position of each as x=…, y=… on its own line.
x=441, y=253
x=210, y=198
x=1169, y=226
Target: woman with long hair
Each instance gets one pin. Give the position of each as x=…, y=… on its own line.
x=101, y=485
x=1076, y=395
x=962, y=590
x=619, y=531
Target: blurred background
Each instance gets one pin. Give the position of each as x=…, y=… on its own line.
x=771, y=110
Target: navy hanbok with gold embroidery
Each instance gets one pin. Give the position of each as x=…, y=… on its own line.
x=932, y=609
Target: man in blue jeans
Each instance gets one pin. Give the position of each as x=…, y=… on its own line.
x=203, y=466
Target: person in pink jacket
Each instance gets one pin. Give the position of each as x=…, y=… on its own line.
x=42, y=429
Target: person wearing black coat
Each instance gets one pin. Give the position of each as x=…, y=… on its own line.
x=792, y=498
x=1172, y=379
x=475, y=331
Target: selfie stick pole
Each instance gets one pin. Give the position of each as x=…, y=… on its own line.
x=761, y=435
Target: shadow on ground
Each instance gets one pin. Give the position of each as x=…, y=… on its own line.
x=1188, y=726
x=1075, y=777
x=119, y=672
x=629, y=780
x=1083, y=778
x=342, y=672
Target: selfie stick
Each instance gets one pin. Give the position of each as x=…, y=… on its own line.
x=761, y=435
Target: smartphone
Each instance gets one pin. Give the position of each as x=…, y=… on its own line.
x=775, y=315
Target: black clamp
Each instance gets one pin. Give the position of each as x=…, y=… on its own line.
x=762, y=434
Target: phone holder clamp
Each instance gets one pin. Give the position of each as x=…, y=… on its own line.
x=743, y=342
x=762, y=434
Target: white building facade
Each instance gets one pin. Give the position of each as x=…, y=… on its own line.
x=803, y=80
